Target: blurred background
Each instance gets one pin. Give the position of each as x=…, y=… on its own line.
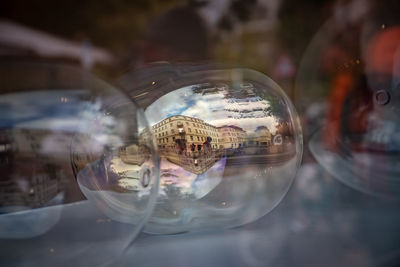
x=317, y=51
x=113, y=37
x=338, y=61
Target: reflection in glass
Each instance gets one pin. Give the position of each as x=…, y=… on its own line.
x=229, y=143
x=352, y=77
x=77, y=180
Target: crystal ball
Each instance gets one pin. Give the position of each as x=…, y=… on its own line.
x=78, y=181
x=229, y=142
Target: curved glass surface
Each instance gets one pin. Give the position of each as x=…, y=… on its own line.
x=78, y=181
x=352, y=79
x=229, y=142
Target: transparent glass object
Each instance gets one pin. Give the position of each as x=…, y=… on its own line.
x=229, y=142
x=348, y=83
x=77, y=180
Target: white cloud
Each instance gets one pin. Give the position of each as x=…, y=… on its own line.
x=170, y=103
x=211, y=108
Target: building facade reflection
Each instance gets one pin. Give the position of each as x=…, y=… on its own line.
x=240, y=124
x=30, y=177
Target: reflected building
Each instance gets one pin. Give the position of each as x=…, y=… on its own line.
x=30, y=178
x=243, y=122
x=241, y=103
x=38, y=191
x=188, y=142
x=182, y=133
x=262, y=136
x=232, y=137
x=146, y=136
x=196, y=145
x=134, y=154
x=85, y=151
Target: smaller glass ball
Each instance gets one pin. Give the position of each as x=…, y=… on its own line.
x=78, y=182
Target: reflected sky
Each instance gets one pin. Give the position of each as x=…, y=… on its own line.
x=58, y=110
x=40, y=109
x=214, y=108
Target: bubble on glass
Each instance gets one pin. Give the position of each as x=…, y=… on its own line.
x=229, y=143
x=78, y=182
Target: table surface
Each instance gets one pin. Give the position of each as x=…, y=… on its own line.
x=320, y=222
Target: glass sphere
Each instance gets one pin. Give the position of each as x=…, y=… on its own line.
x=348, y=82
x=78, y=181
x=229, y=142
